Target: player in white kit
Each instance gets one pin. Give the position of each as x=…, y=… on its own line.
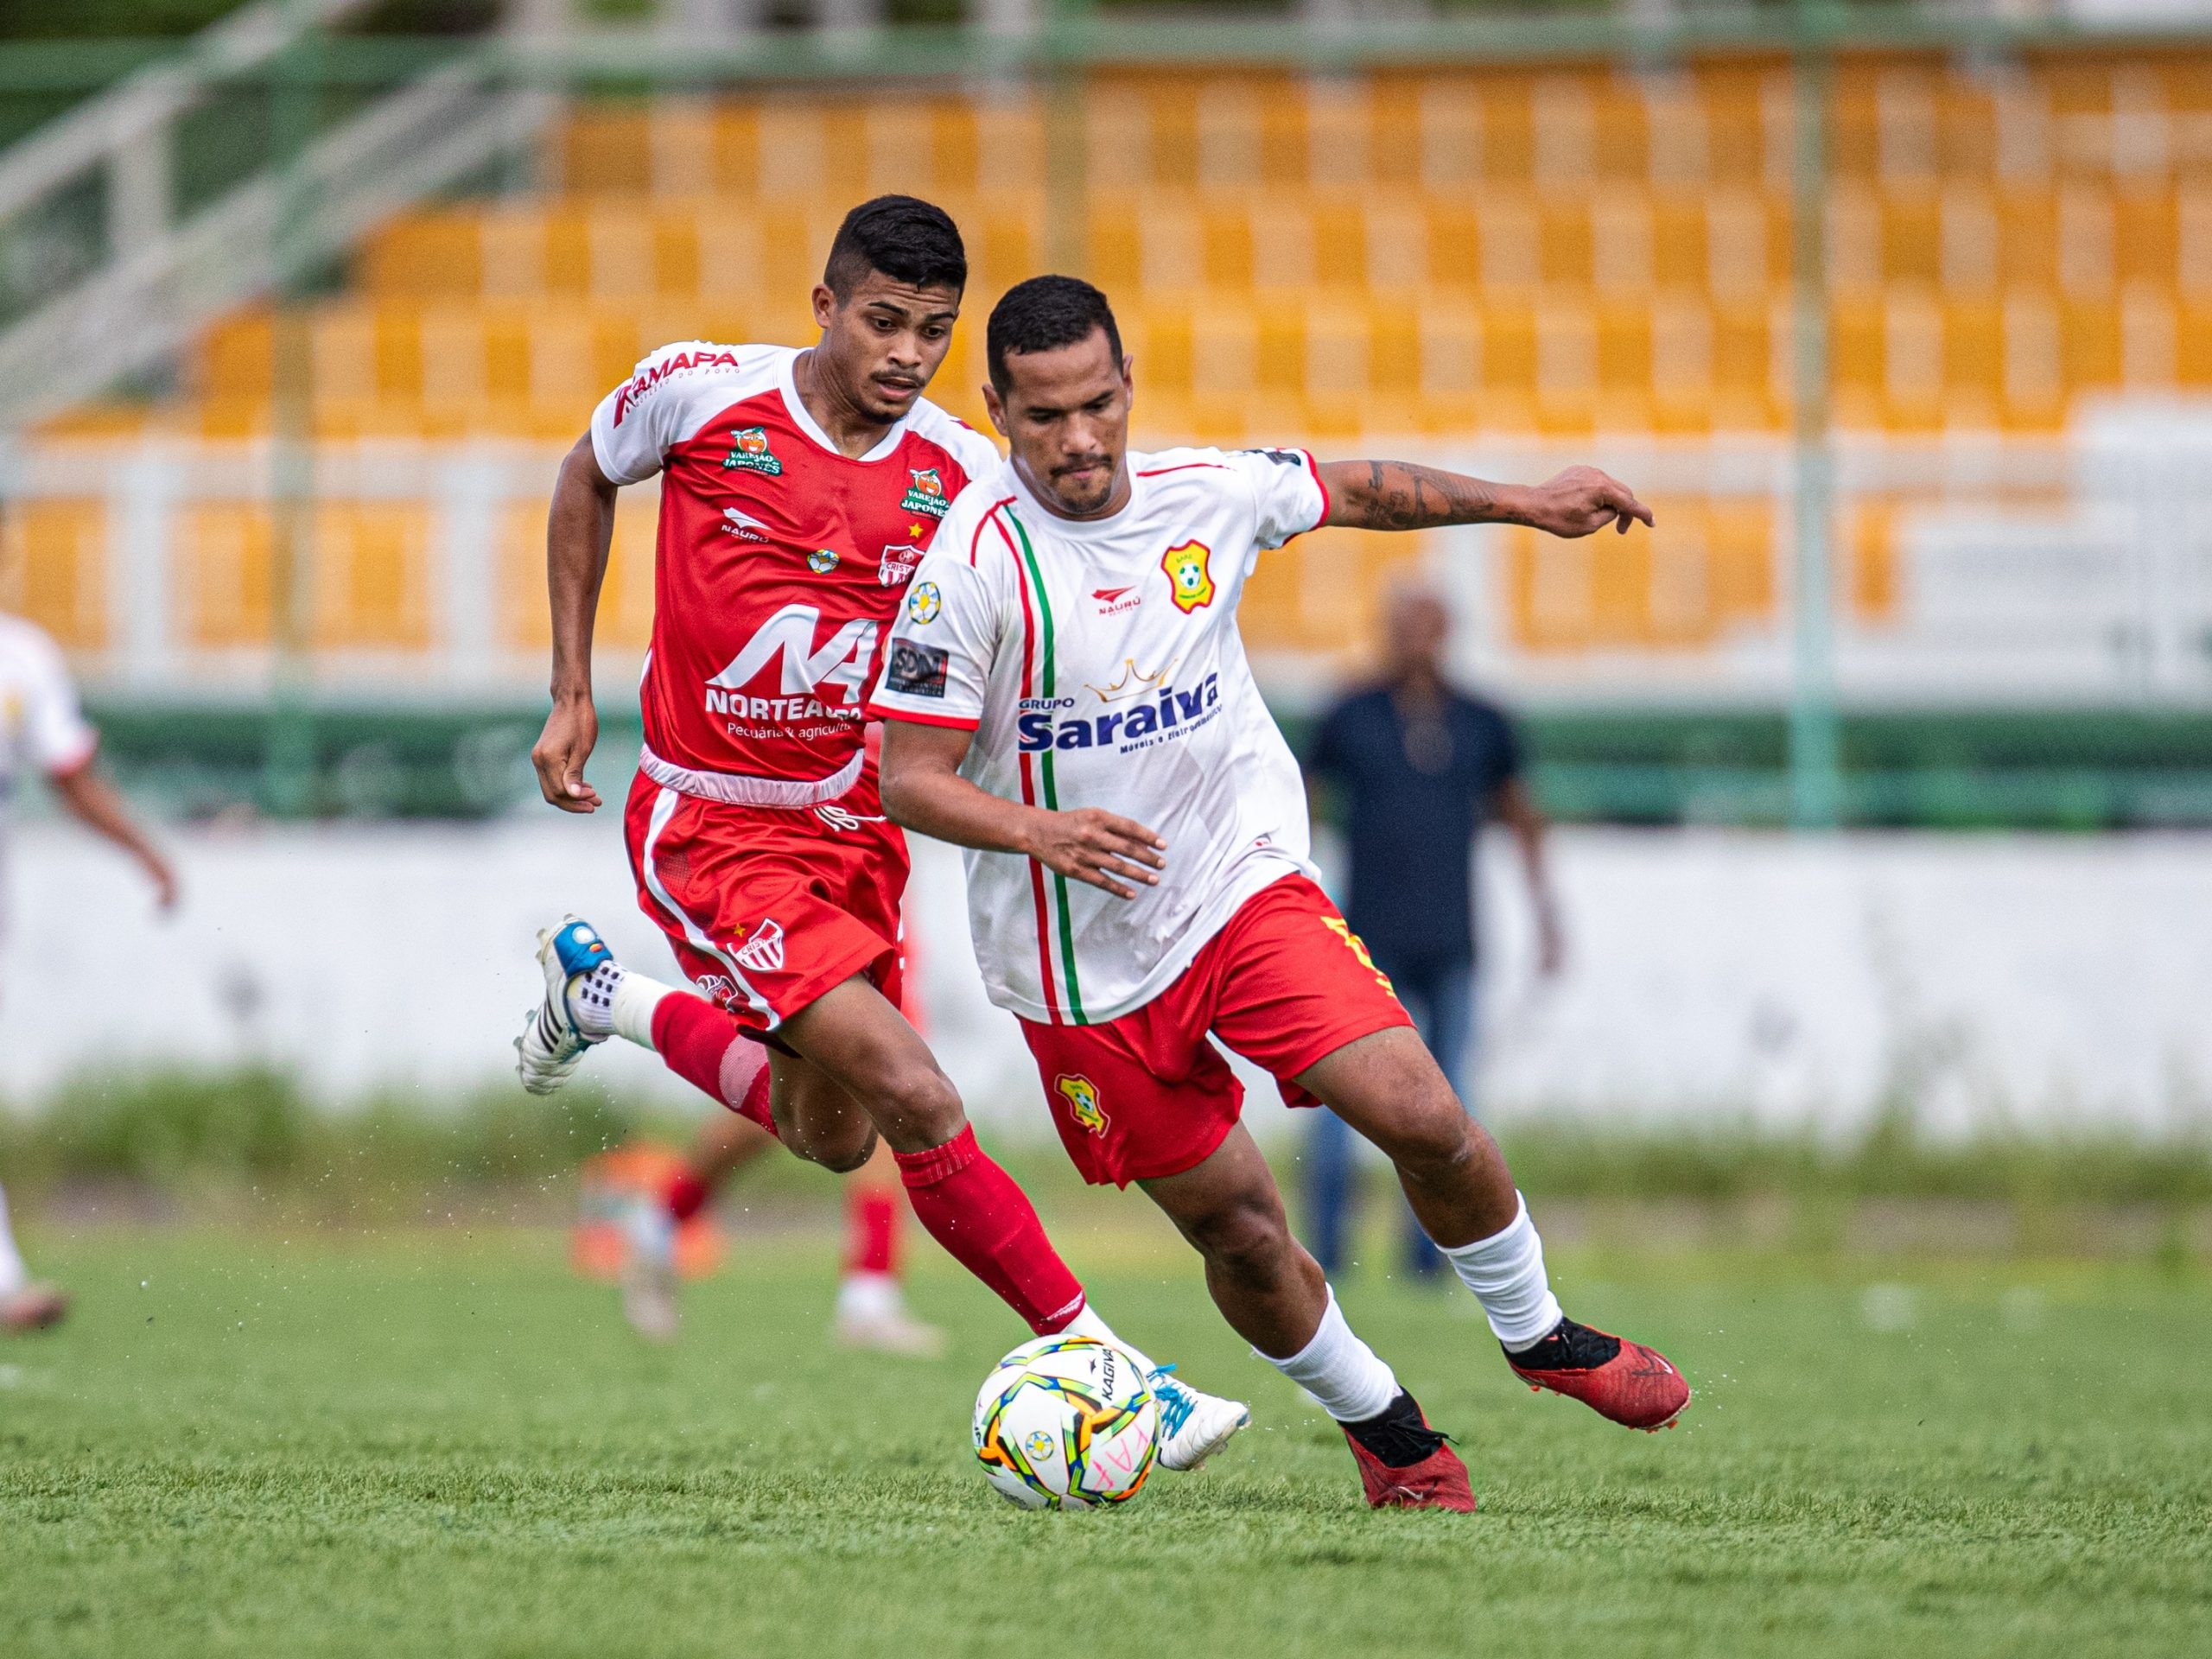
x=1067, y=695
x=42, y=729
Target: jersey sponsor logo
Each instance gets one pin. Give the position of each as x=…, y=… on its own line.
x=1134, y=683
x=838, y=817
x=841, y=660
x=918, y=670
x=742, y=524
x=1357, y=946
x=1112, y=601
x=924, y=604
x=1084, y=1105
x=718, y=988
x=764, y=952
x=642, y=384
x=1049, y=722
x=1280, y=457
x=749, y=452
x=898, y=563
x=1190, y=584
x=822, y=560
x=926, y=494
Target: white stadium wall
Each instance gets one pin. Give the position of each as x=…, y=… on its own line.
x=2051, y=983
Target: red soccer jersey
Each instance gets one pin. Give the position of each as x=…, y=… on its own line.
x=779, y=565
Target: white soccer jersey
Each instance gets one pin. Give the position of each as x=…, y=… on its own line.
x=42, y=729
x=1099, y=665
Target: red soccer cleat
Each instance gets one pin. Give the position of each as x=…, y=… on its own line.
x=1437, y=1481
x=1634, y=1386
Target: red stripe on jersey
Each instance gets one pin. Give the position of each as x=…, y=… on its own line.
x=1162, y=472
x=879, y=711
x=1319, y=485
x=975, y=540
x=1028, y=774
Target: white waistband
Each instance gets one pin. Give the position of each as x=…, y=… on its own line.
x=733, y=789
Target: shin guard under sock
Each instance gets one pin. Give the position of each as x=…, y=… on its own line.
x=987, y=1223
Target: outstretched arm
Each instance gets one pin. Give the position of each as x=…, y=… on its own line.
x=924, y=792
x=93, y=802
x=579, y=532
x=1399, y=495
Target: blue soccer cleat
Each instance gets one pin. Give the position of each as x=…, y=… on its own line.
x=552, y=1044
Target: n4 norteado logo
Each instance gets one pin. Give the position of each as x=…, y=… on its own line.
x=841, y=660
x=749, y=452
x=1050, y=723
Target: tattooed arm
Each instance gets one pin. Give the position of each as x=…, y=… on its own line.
x=1398, y=495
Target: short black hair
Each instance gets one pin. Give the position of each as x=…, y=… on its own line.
x=907, y=239
x=1043, y=314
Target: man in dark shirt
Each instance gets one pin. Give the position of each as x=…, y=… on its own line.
x=1414, y=765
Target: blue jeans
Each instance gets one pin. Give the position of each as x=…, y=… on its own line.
x=1441, y=999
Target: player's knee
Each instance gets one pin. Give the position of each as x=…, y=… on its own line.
x=1432, y=1136
x=919, y=1107
x=1247, y=1240
x=841, y=1148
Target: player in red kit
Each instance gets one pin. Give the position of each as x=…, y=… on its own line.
x=799, y=489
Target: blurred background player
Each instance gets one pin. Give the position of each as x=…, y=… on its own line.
x=1415, y=764
x=638, y=1207
x=42, y=729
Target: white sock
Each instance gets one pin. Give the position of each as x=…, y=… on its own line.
x=1088, y=1324
x=14, y=1276
x=1506, y=1272
x=1346, y=1376
x=613, y=1001
x=868, y=1297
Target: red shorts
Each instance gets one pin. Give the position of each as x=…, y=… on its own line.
x=768, y=908
x=1284, y=984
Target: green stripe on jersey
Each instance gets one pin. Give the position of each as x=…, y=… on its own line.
x=1045, y=765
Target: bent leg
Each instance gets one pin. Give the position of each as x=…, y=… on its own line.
x=861, y=1044
x=1269, y=1289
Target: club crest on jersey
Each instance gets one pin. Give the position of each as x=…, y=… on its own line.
x=764, y=952
x=898, y=564
x=749, y=452
x=926, y=493
x=822, y=560
x=1192, y=583
x=925, y=602
x=1084, y=1105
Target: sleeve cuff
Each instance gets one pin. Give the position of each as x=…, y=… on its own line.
x=1314, y=464
x=76, y=759
x=950, y=722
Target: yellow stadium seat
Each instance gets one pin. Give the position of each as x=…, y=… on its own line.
x=54, y=567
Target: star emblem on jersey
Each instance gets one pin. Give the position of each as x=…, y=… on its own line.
x=926, y=493
x=749, y=452
x=764, y=952
x=1084, y=1105
x=925, y=602
x=822, y=560
x=1191, y=585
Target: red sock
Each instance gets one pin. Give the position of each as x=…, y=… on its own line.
x=986, y=1223
x=700, y=1043
x=871, y=1229
x=687, y=1195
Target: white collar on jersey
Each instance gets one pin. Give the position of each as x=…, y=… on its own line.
x=796, y=405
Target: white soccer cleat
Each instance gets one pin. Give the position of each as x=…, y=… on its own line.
x=872, y=1315
x=649, y=1270
x=1192, y=1426
x=551, y=1045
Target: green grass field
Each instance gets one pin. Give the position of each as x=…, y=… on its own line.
x=441, y=1444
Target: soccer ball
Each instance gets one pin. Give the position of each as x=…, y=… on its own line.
x=1065, y=1423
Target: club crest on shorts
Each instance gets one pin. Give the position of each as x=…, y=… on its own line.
x=1081, y=1095
x=764, y=952
x=1192, y=583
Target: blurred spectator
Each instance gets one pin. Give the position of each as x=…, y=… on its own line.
x=40, y=728
x=1415, y=764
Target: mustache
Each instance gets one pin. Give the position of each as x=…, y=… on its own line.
x=1080, y=464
